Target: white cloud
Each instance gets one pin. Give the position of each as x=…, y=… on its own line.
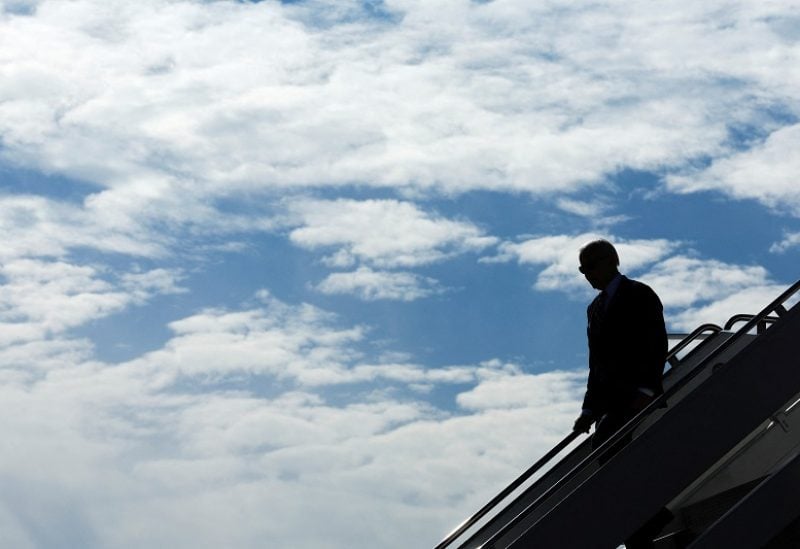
x=749, y=300
x=156, y=281
x=228, y=96
x=35, y=226
x=41, y=298
x=377, y=285
x=790, y=240
x=697, y=291
x=53, y=296
x=558, y=390
x=99, y=456
x=766, y=172
x=168, y=108
x=27, y=359
x=206, y=343
x=298, y=345
x=694, y=290
x=121, y=455
x=581, y=208
x=559, y=254
x=682, y=281
x=385, y=233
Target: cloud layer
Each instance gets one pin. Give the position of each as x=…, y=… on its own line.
x=767, y=172
x=694, y=290
x=154, y=457
x=384, y=233
x=226, y=97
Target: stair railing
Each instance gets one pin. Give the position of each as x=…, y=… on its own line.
x=777, y=307
x=761, y=327
x=701, y=333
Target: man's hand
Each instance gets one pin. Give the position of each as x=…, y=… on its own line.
x=583, y=423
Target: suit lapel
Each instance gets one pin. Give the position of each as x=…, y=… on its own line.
x=619, y=297
x=597, y=310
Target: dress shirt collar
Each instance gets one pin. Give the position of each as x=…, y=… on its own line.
x=612, y=288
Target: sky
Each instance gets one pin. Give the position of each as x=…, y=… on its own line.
x=304, y=274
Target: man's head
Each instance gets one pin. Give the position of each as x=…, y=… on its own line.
x=599, y=263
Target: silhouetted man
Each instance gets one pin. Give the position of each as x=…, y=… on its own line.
x=627, y=344
x=627, y=351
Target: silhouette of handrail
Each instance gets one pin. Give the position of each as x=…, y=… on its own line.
x=672, y=356
x=735, y=319
x=776, y=306
x=528, y=473
x=461, y=528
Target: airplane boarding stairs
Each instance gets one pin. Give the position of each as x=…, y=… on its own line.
x=720, y=449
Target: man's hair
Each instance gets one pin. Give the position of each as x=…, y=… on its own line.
x=601, y=248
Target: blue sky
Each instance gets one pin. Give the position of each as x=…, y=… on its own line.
x=304, y=273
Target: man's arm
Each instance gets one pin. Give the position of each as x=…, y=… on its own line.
x=590, y=406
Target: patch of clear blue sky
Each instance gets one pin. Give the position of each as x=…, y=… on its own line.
x=14, y=180
x=18, y=8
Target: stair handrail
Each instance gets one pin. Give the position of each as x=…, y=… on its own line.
x=672, y=356
x=776, y=306
x=528, y=473
x=461, y=528
x=735, y=319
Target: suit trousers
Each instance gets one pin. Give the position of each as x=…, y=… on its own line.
x=609, y=424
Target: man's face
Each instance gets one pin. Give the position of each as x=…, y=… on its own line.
x=598, y=269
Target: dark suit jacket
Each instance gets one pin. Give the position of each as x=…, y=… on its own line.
x=627, y=348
